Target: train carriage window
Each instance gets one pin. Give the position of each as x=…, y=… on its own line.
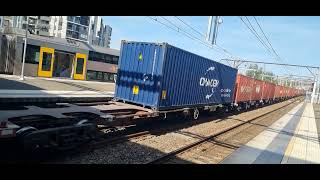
x=99, y=75
x=79, y=68
x=32, y=55
x=111, y=77
x=115, y=59
x=91, y=75
x=108, y=58
x=106, y=77
x=101, y=57
x=46, y=61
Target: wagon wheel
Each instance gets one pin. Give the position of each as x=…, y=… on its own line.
x=196, y=114
x=21, y=134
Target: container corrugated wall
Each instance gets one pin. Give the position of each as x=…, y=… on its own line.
x=244, y=88
x=250, y=89
x=139, y=72
x=189, y=79
x=257, y=90
x=163, y=76
x=279, y=91
x=268, y=90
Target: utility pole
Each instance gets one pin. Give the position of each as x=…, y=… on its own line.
x=215, y=30
x=24, y=51
x=318, y=74
x=217, y=21
x=208, y=35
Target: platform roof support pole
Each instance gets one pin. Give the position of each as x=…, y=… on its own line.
x=314, y=90
x=318, y=79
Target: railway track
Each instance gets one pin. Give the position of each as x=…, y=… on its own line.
x=142, y=133
x=171, y=157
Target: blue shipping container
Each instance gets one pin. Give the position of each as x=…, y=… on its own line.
x=162, y=76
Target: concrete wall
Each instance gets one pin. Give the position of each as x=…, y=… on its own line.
x=29, y=69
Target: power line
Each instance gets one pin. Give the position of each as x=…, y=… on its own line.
x=203, y=35
x=266, y=37
x=279, y=58
x=256, y=35
x=180, y=30
x=253, y=31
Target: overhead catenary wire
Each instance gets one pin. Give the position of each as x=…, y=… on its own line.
x=197, y=31
x=256, y=35
x=266, y=37
x=203, y=35
x=180, y=30
x=268, y=41
x=254, y=32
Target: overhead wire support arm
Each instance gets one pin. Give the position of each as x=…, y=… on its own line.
x=311, y=72
x=282, y=64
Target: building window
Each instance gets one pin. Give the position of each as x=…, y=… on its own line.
x=100, y=76
x=105, y=58
x=84, y=20
x=69, y=26
x=77, y=20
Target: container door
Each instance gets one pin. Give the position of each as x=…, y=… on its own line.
x=139, y=73
x=79, y=67
x=46, y=62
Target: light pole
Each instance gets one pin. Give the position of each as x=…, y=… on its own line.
x=24, y=51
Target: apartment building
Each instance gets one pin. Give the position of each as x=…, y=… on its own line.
x=1, y=21
x=89, y=29
x=100, y=34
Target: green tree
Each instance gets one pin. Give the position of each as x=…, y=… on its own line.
x=257, y=72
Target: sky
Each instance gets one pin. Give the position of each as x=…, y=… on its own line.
x=296, y=39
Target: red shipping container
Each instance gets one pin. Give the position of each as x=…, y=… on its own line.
x=257, y=90
x=279, y=91
x=287, y=91
x=292, y=92
x=244, y=88
x=268, y=90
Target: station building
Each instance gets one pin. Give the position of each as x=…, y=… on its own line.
x=54, y=57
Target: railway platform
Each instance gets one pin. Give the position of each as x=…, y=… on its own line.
x=36, y=89
x=293, y=139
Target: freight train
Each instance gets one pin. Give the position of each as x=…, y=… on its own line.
x=163, y=77
x=153, y=80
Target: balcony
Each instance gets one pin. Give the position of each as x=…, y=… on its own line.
x=33, y=17
x=43, y=33
x=46, y=18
